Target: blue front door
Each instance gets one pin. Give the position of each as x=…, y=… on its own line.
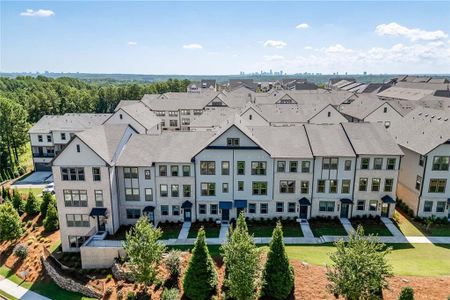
x=225, y=214
x=187, y=215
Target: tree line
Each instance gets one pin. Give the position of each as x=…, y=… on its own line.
x=25, y=99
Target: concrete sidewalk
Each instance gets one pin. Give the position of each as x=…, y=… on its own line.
x=19, y=292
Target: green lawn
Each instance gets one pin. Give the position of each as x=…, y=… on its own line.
x=25, y=191
x=406, y=226
x=372, y=226
x=170, y=231
x=212, y=230
x=6, y=295
x=290, y=229
x=410, y=227
x=43, y=287
x=326, y=227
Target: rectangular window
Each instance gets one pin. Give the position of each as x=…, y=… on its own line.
x=418, y=182
x=207, y=168
x=240, y=167
x=75, y=198
x=363, y=184
x=326, y=206
x=173, y=123
x=365, y=162
x=333, y=163
x=224, y=187
x=185, y=112
x=98, y=195
x=185, y=121
x=345, y=188
x=76, y=241
x=421, y=160
x=293, y=166
x=148, y=195
x=325, y=163
x=163, y=170
x=360, y=205
x=428, y=206
x=186, y=190
x=377, y=163
x=131, y=184
x=304, y=187
x=240, y=186
x=259, y=167
x=391, y=162
x=175, y=210
x=287, y=186
x=440, y=163
x=174, y=170
x=376, y=184
x=333, y=186
x=208, y=189
x=202, y=209
x=40, y=138
x=160, y=113
x=225, y=168
x=373, y=205
x=440, y=206
x=96, y=174
x=291, y=207
x=213, y=209
x=49, y=138
x=263, y=208
x=232, y=142
x=347, y=165
x=259, y=188
x=175, y=190
x=437, y=185
x=198, y=112
x=388, y=184
x=186, y=171
x=164, y=210
x=306, y=166
x=163, y=190
x=72, y=174
x=77, y=220
x=281, y=166
x=63, y=136
x=280, y=207
x=147, y=174
x=321, y=186
x=252, y=208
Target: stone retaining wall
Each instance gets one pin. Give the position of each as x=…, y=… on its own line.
x=120, y=273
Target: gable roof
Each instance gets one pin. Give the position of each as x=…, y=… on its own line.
x=67, y=122
x=142, y=114
x=328, y=140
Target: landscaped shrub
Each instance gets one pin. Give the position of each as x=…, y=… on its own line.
x=170, y=294
x=21, y=251
x=407, y=293
x=131, y=295
x=46, y=199
x=32, y=205
x=108, y=291
x=173, y=263
x=51, y=222
x=10, y=223
x=18, y=203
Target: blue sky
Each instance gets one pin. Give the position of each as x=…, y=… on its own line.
x=225, y=37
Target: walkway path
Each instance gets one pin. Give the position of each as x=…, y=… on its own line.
x=347, y=225
x=223, y=231
x=184, y=232
x=19, y=292
x=306, y=229
x=392, y=228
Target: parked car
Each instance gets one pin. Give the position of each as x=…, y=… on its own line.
x=49, y=188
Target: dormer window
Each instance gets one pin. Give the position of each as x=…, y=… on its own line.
x=63, y=136
x=120, y=116
x=385, y=110
x=329, y=114
x=250, y=117
x=78, y=148
x=232, y=142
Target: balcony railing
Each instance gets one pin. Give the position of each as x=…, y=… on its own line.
x=43, y=154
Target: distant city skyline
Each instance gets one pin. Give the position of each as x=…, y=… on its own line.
x=221, y=38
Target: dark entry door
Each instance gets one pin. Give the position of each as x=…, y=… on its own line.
x=303, y=212
x=187, y=215
x=385, y=210
x=225, y=214
x=344, y=210
x=238, y=211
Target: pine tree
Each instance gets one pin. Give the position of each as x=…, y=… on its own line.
x=278, y=275
x=51, y=222
x=200, y=280
x=10, y=223
x=46, y=199
x=241, y=259
x=32, y=205
x=18, y=203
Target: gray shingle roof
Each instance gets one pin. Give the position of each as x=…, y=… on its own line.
x=68, y=122
x=142, y=114
x=328, y=140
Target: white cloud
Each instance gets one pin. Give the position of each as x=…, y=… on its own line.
x=273, y=57
x=275, y=44
x=192, y=46
x=131, y=43
x=413, y=34
x=308, y=48
x=302, y=26
x=37, y=13
x=338, y=48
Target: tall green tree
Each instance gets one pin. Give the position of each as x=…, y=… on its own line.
x=359, y=269
x=51, y=221
x=200, y=279
x=32, y=204
x=278, y=274
x=144, y=251
x=10, y=223
x=46, y=199
x=241, y=258
x=18, y=203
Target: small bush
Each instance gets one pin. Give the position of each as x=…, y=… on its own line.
x=108, y=291
x=131, y=295
x=21, y=251
x=407, y=293
x=109, y=277
x=119, y=295
x=173, y=263
x=170, y=294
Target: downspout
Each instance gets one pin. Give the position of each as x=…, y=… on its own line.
x=421, y=184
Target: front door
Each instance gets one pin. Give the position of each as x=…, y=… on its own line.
x=303, y=212
x=385, y=210
x=101, y=224
x=225, y=214
x=151, y=217
x=238, y=212
x=344, y=210
x=187, y=215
